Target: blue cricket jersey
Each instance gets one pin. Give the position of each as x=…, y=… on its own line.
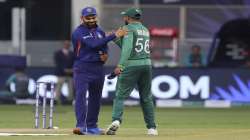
x=88, y=43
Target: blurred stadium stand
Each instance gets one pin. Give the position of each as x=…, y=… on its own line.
x=49, y=22
x=47, y=26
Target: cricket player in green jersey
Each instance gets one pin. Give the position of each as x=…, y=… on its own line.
x=134, y=69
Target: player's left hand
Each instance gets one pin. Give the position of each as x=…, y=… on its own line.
x=109, y=33
x=121, y=32
x=104, y=57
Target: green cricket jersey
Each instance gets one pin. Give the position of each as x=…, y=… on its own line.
x=135, y=46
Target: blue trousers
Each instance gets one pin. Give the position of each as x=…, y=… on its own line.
x=88, y=77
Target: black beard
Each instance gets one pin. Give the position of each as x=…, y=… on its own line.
x=126, y=23
x=91, y=25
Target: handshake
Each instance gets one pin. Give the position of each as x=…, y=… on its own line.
x=119, y=32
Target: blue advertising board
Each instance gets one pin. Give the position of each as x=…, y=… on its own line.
x=186, y=84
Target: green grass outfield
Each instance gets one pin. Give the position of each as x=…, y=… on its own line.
x=173, y=124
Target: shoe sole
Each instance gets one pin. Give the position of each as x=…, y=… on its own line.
x=77, y=132
x=152, y=134
x=112, y=129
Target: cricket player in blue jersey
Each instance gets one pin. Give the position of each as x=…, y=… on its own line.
x=90, y=49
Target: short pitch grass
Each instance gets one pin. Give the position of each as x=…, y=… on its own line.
x=173, y=124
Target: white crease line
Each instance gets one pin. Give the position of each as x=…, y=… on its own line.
x=19, y=134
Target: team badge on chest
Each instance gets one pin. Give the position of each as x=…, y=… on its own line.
x=99, y=35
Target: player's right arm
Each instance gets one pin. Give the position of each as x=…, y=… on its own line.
x=92, y=42
x=127, y=46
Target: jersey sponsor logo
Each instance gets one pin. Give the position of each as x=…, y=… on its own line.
x=87, y=36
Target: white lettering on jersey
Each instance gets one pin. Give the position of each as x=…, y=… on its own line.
x=87, y=36
x=142, y=32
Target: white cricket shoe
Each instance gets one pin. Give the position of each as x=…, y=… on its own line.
x=152, y=132
x=113, y=127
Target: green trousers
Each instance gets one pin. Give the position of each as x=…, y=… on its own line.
x=127, y=81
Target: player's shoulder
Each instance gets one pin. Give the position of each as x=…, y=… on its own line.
x=80, y=30
x=77, y=30
x=129, y=26
x=136, y=26
x=145, y=28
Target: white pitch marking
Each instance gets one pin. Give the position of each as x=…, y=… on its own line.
x=19, y=134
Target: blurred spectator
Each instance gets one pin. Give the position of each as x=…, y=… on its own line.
x=195, y=58
x=64, y=59
x=20, y=89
